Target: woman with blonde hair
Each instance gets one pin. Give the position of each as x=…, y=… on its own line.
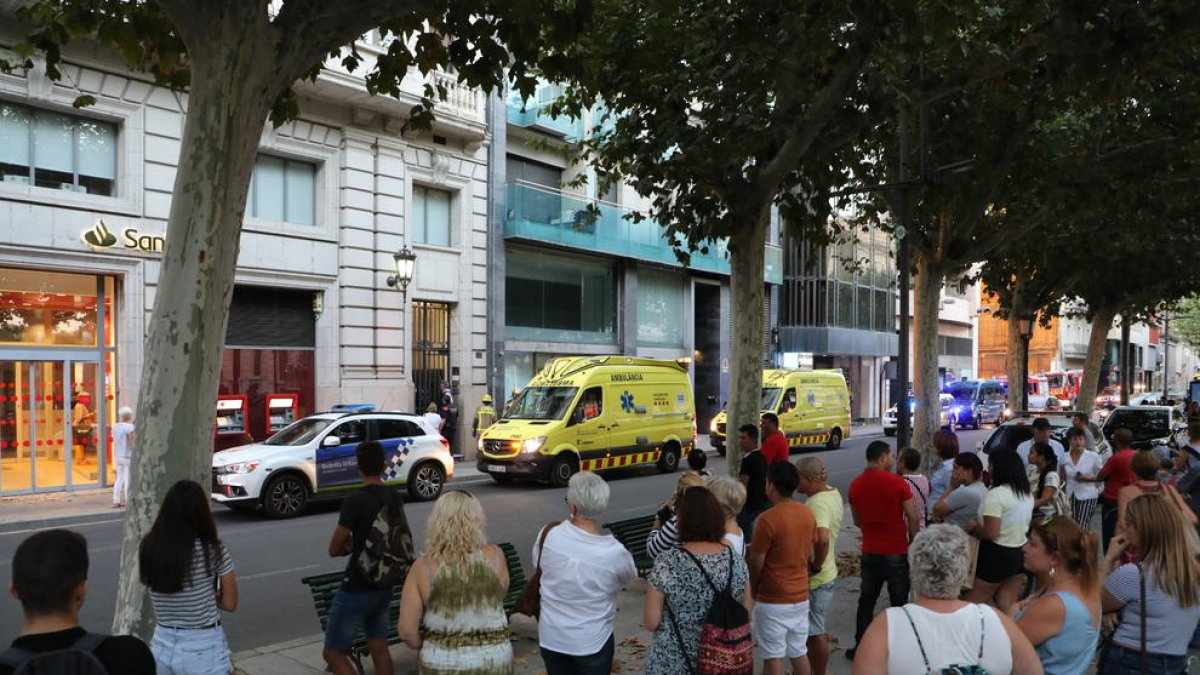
x=1158, y=598
x=731, y=495
x=1062, y=619
x=452, y=605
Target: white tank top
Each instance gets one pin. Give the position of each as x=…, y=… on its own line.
x=949, y=639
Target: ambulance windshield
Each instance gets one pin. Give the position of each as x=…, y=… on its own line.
x=541, y=403
x=300, y=432
x=770, y=398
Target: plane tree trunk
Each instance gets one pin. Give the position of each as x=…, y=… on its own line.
x=1089, y=384
x=746, y=265
x=234, y=82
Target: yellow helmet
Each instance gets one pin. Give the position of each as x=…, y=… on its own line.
x=487, y=398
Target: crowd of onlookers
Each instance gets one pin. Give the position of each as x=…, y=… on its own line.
x=991, y=564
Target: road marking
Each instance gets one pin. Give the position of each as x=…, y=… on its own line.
x=271, y=574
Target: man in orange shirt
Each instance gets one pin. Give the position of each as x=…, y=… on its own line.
x=779, y=560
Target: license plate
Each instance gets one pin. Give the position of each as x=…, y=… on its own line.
x=497, y=468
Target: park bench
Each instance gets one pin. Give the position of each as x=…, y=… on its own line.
x=632, y=533
x=324, y=586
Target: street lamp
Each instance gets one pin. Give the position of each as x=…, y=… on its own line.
x=1025, y=330
x=406, y=262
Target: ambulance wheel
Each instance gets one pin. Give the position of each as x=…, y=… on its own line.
x=426, y=481
x=668, y=461
x=561, y=470
x=835, y=439
x=285, y=496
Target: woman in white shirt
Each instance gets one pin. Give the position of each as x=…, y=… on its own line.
x=433, y=418
x=731, y=495
x=1080, y=467
x=582, y=570
x=938, y=631
x=1004, y=521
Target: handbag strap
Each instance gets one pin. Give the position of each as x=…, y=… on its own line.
x=1142, y=592
x=921, y=645
x=542, y=540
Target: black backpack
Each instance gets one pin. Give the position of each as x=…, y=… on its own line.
x=726, y=646
x=78, y=659
x=387, y=552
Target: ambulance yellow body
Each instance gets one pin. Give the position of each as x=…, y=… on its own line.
x=593, y=413
x=813, y=408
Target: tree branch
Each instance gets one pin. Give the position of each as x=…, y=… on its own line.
x=808, y=129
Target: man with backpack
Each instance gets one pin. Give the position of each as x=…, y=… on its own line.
x=373, y=531
x=49, y=578
x=779, y=561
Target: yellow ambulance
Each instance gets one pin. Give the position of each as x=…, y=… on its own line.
x=813, y=408
x=593, y=413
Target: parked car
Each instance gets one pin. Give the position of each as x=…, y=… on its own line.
x=1152, y=425
x=313, y=459
x=1019, y=429
x=944, y=418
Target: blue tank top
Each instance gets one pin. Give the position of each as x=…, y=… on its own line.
x=1071, y=651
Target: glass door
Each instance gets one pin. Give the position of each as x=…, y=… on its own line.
x=49, y=425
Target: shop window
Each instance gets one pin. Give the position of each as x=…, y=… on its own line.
x=283, y=190
x=57, y=151
x=431, y=216
x=52, y=308
x=660, y=308
x=560, y=299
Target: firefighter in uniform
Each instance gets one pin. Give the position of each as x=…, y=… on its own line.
x=485, y=416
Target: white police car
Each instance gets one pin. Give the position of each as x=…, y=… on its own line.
x=313, y=459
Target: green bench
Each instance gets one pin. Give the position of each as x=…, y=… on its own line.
x=324, y=586
x=632, y=534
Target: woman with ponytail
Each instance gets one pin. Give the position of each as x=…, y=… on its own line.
x=1062, y=619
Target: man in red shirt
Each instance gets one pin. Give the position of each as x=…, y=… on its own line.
x=774, y=443
x=1116, y=474
x=882, y=505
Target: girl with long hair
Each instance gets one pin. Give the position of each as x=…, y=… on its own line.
x=1158, y=598
x=1042, y=457
x=1062, y=619
x=190, y=576
x=452, y=605
x=1006, y=510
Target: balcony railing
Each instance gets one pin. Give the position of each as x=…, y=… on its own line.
x=534, y=112
x=549, y=216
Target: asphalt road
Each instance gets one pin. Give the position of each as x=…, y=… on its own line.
x=272, y=556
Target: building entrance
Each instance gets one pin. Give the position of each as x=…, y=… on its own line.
x=54, y=415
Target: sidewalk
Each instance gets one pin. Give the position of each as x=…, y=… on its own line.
x=49, y=509
x=303, y=656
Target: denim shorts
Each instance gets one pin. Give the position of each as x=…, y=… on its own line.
x=191, y=651
x=818, y=602
x=351, y=612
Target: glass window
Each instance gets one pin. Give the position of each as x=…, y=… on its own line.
x=864, y=308
x=560, y=299
x=431, y=216
x=61, y=152
x=845, y=306
x=352, y=431
x=386, y=429
x=591, y=405
x=660, y=308
x=283, y=190
x=528, y=171
x=49, y=308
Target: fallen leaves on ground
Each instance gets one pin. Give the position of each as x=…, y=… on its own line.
x=849, y=564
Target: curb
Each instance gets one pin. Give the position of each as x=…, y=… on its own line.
x=111, y=515
x=19, y=526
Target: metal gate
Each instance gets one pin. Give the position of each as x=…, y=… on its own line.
x=431, y=351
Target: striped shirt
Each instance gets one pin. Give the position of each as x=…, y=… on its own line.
x=196, y=605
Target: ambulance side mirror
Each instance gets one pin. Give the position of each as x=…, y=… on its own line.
x=576, y=417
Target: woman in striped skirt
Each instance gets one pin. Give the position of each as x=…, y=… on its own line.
x=1080, y=468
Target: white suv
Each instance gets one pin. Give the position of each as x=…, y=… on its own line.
x=313, y=459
